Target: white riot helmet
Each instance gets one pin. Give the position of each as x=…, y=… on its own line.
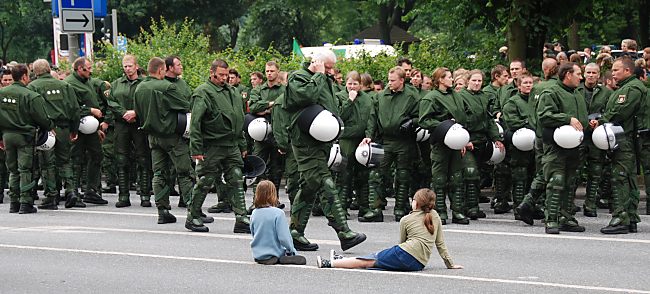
x=336, y=161
x=183, y=125
x=524, y=139
x=493, y=154
x=259, y=129
x=88, y=125
x=320, y=123
x=45, y=140
x=451, y=134
x=369, y=155
x=421, y=134
x=566, y=136
x=608, y=136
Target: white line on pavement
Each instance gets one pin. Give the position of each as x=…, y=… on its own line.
x=611, y=239
x=417, y=274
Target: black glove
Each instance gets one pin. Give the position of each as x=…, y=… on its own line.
x=407, y=127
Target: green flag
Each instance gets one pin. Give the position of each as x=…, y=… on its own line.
x=296, y=48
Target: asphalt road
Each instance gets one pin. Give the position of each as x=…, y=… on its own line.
x=102, y=249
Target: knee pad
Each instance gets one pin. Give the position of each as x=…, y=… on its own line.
x=456, y=177
x=557, y=181
x=520, y=173
x=472, y=173
x=403, y=175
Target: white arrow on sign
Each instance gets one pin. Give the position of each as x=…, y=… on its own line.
x=77, y=20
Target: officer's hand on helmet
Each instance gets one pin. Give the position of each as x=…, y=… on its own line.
x=575, y=123
x=96, y=113
x=101, y=135
x=198, y=157
x=352, y=95
x=463, y=151
x=500, y=145
x=244, y=153
x=593, y=123
x=103, y=126
x=365, y=141
x=74, y=137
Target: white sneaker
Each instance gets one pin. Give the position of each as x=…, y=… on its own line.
x=323, y=263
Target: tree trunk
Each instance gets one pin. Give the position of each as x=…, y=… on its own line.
x=385, y=21
x=517, y=39
x=644, y=22
x=234, y=32
x=573, y=39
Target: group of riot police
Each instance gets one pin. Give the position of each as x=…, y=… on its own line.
x=341, y=143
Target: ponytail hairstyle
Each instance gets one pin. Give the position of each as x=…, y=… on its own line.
x=425, y=200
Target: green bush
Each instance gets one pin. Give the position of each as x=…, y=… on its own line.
x=188, y=42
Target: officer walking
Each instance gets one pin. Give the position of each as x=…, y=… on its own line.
x=217, y=143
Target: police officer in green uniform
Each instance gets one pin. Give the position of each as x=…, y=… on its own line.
x=281, y=121
x=560, y=105
x=535, y=198
x=6, y=80
x=499, y=78
x=516, y=115
x=158, y=104
x=128, y=138
x=62, y=107
x=173, y=75
x=308, y=86
x=109, y=163
x=261, y=102
x=87, y=148
x=625, y=107
x=217, y=144
x=596, y=97
x=446, y=164
x=483, y=130
x=355, y=111
x=21, y=112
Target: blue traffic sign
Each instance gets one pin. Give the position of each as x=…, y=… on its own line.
x=100, y=7
x=77, y=4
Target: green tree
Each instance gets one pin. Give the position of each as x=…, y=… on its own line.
x=25, y=30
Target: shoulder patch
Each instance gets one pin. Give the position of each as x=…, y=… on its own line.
x=620, y=99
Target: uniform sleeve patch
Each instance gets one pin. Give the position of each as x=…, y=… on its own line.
x=621, y=99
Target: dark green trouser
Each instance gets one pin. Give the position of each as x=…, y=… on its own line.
x=128, y=138
x=645, y=163
x=471, y=179
x=4, y=175
x=354, y=178
x=560, y=170
x=422, y=170
x=274, y=162
x=220, y=160
x=594, y=168
x=537, y=192
x=292, y=175
x=56, y=164
x=520, y=164
x=625, y=195
x=19, y=150
x=109, y=163
x=400, y=154
x=447, y=179
x=170, y=154
x=316, y=181
x=503, y=181
x=87, y=151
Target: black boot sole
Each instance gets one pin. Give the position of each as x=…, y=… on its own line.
x=198, y=229
x=241, y=228
x=376, y=219
x=166, y=219
x=613, y=230
x=305, y=247
x=145, y=203
x=349, y=243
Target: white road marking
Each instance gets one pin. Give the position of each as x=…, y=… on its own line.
x=415, y=274
x=606, y=239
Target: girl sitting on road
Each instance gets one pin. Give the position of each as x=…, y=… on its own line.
x=419, y=232
x=272, y=243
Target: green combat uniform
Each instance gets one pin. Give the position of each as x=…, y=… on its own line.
x=280, y=123
x=645, y=151
x=216, y=131
x=109, y=163
x=354, y=177
x=502, y=171
x=391, y=110
x=516, y=115
x=557, y=105
x=63, y=109
x=446, y=164
x=596, y=99
x=482, y=130
x=268, y=151
x=306, y=88
x=625, y=107
x=158, y=103
x=87, y=148
x=128, y=138
x=186, y=92
x=21, y=112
